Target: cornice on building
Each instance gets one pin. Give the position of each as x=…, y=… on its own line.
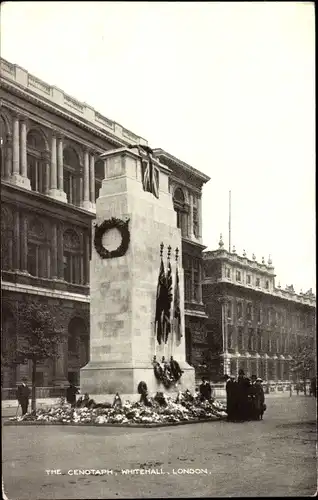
x=222, y=255
x=185, y=166
x=17, y=76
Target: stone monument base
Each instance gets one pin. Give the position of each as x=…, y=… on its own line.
x=102, y=379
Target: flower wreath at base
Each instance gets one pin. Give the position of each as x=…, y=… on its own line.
x=168, y=373
x=108, y=224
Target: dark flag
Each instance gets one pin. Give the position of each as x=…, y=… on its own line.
x=176, y=308
x=167, y=312
x=160, y=303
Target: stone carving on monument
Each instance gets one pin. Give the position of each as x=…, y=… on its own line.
x=134, y=217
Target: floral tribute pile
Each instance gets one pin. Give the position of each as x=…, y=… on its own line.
x=162, y=410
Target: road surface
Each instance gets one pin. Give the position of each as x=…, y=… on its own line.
x=272, y=457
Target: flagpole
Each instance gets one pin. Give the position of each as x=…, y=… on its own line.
x=230, y=221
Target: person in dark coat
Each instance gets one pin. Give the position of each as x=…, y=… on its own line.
x=243, y=385
x=205, y=390
x=260, y=399
x=71, y=392
x=23, y=394
x=231, y=397
x=253, y=410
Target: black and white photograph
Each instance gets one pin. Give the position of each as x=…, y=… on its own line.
x=158, y=250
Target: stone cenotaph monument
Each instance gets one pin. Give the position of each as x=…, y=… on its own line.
x=134, y=217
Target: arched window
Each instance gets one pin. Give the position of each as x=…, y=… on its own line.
x=182, y=211
x=38, y=263
x=6, y=238
x=72, y=176
x=99, y=177
x=36, y=166
x=73, y=257
x=78, y=347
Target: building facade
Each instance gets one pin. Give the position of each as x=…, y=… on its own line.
x=253, y=324
x=51, y=173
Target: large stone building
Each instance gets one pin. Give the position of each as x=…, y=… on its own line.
x=51, y=174
x=253, y=324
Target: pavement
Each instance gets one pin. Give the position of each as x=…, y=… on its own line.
x=276, y=456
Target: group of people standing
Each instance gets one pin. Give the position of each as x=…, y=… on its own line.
x=244, y=397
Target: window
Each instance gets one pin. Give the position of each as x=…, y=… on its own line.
x=181, y=210
x=249, y=311
x=240, y=338
x=39, y=379
x=278, y=345
x=238, y=275
x=229, y=310
x=230, y=336
x=196, y=280
x=72, y=258
x=239, y=310
x=187, y=278
x=72, y=184
x=38, y=249
x=250, y=345
x=228, y=272
x=195, y=222
x=248, y=279
x=258, y=282
x=36, y=165
x=267, y=284
x=259, y=340
x=259, y=314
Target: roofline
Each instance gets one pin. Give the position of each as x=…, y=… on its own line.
x=161, y=152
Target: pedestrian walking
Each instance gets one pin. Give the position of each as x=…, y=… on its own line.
x=23, y=395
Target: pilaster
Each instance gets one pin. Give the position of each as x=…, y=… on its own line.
x=16, y=178
x=61, y=362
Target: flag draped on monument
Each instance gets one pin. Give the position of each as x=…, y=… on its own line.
x=176, y=308
x=160, y=303
x=150, y=173
x=167, y=311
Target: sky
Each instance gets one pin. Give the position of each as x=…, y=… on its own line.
x=227, y=87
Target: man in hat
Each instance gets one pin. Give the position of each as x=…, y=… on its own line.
x=23, y=394
x=205, y=390
x=260, y=406
x=243, y=384
x=231, y=397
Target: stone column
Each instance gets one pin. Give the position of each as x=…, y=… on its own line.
x=60, y=164
x=56, y=163
x=190, y=220
x=24, y=243
x=61, y=362
x=23, y=150
x=53, y=185
x=86, y=203
x=16, y=147
x=199, y=217
x=54, y=251
x=46, y=164
x=16, y=240
x=8, y=157
x=92, y=178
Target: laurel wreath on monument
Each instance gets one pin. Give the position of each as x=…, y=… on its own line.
x=165, y=374
x=113, y=223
